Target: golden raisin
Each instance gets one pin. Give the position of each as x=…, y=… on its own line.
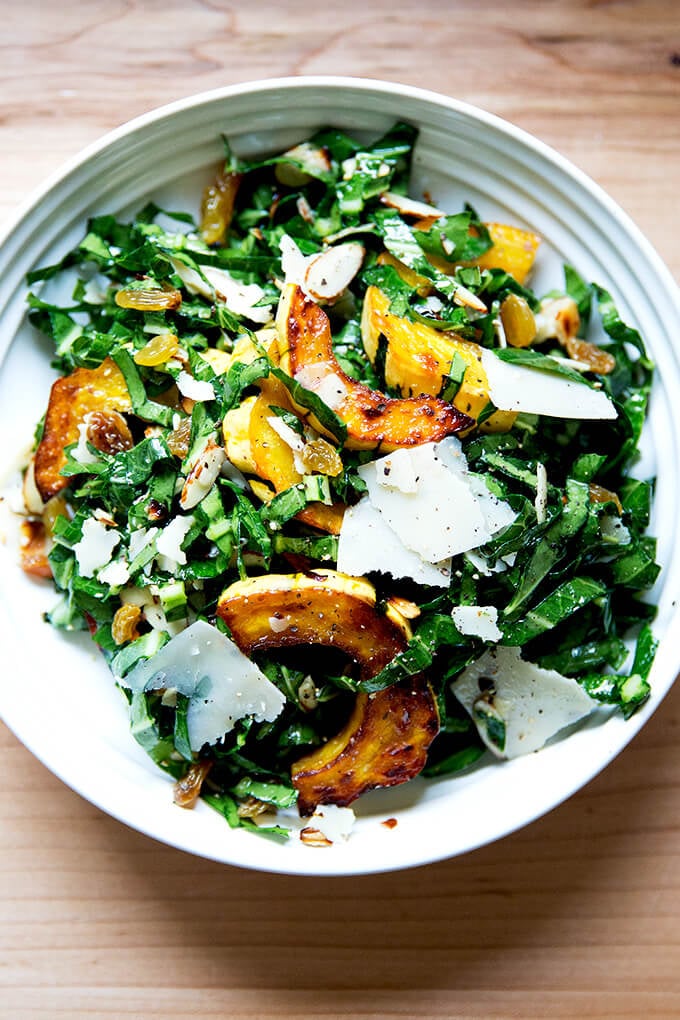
x=217, y=207
x=319, y=455
x=158, y=350
x=251, y=807
x=178, y=440
x=124, y=626
x=519, y=324
x=188, y=789
x=109, y=432
x=598, y=361
x=598, y=494
x=153, y=299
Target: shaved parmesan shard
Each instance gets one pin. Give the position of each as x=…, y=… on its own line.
x=81, y=452
x=516, y=705
x=195, y=389
x=240, y=298
x=95, y=547
x=518, y=388
x=115, y=574
x=477, y=621
x=450, y=510
x=368, y=543
x=293, y=262
x=139, y=539
x=397, y=471
x=222, y=684
x=324, y=382
x=334, y=822
x=169, y=543
x=292, y=439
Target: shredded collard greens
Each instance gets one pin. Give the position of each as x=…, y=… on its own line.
x=156, y=503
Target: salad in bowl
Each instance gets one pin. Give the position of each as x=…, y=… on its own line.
x=340, y=498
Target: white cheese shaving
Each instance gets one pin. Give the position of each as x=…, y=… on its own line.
x=477, y=621
x=322, y=380
x=293, y=262
x=95, y=546
x=367, y=542
x=518, y=388
x=170, y=554
x=240, y=298
x=450, y=510
x=81, y=451
x=96, y=290
x=291, y=438
x=334, y=822
x=195, y=389
x=154, y=614
x=397, y=471
x=222, y=684
x=115, y=574
x=527, y=703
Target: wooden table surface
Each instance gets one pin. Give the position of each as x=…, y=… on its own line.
x=577, y=915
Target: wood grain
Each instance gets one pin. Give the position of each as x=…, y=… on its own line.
x=577, y=915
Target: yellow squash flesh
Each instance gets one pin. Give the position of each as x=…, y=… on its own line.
x=418, y=358
x=274, y=461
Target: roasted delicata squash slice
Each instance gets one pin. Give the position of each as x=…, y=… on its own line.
x=254, y=447
x=274, y=459
x=72, y=399
x=418, y=357
x=372, y=419
x=386, y=739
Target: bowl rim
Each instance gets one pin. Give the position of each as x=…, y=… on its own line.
x=367, y=86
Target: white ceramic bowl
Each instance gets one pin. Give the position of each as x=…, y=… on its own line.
x=55, y=692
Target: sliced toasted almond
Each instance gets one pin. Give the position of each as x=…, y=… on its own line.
x=305, y=209
x=404, y=607
x=203, y=472
x=463, y=296
x=410, y=207
x=313, y=159
x=32, y=499
x=559, y=318
x=329, y=274
x=314, y=837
